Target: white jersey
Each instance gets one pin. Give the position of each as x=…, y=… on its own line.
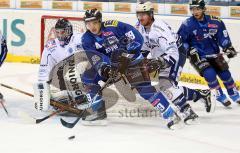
x=160, y=40
x=54, y=53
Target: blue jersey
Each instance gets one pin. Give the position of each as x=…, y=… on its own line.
x=114, y=35
x=205, y=36
x=3, y=49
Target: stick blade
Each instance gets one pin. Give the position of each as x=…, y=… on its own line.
x=69, y=125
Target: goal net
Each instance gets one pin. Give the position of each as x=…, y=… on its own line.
x=48, y=24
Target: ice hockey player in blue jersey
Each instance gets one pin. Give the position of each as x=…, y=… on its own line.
x=3, y=53
x=203, y=35
x=104, y=37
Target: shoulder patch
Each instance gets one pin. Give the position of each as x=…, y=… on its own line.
x=111, y=23
x=215, y=18
x=51, y=44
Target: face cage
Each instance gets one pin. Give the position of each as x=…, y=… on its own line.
x=63, y=35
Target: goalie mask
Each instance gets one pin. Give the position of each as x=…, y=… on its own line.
x=64, y=31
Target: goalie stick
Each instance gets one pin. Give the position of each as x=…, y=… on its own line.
x=62, y=107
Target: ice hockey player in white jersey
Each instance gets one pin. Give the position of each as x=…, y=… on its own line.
x=168, y=59
x=3, y=53
x=64, y=45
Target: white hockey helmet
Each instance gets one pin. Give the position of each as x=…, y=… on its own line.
x=144, y=7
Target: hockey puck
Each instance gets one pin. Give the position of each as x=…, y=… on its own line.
x=71, y=137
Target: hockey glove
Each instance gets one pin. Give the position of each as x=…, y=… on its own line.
x=230, y=51
x=145, y=53
x=156, y=64
x=107, y=71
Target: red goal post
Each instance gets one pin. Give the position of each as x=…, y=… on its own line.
x=48, y=23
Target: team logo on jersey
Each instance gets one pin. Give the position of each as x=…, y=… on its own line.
x=225, y=33
x=51, y=44
x=212, y=31
x=107, y=33
x=95, y=59
x=70, y=50
x=195, y=32
x=212, y=26
x=97, y=45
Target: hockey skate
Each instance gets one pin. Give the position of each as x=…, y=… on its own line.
x=208, y=100
x=235, y=97
x=223, y=100
x=173, y=120
x=98, y=118
x=189, y=116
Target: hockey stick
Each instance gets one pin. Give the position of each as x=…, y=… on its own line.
x=1, y=101
x=61, y=106
x=72, y=124
x=48, y=116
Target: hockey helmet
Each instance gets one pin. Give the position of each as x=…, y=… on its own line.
x=64, y=30
x=144, y=7
x=197, y=3
x=93, y=14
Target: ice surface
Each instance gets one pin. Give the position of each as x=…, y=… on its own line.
x=217, y=133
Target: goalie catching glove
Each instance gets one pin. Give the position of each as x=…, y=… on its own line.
x=230, y=51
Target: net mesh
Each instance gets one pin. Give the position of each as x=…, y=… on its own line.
x=48, y=24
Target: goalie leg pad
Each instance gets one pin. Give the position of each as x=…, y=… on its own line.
x=41, y=96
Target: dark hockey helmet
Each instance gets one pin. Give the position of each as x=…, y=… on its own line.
x=64, y=31
x=93, y=14
x=197, y=3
